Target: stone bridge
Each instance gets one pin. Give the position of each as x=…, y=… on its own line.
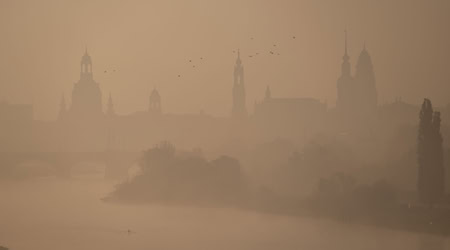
x=117, y=163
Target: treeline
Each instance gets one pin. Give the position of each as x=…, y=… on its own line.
x=166, y=176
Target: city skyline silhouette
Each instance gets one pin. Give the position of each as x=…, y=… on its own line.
x=306, y=66
x=211, y=124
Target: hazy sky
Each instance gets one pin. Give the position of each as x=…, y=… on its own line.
x=150, y=42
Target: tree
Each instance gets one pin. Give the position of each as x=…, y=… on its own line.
x=430, y=182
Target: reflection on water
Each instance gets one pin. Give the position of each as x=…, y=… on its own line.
x=51, y=214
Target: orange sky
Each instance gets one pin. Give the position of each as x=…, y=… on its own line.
x=150, y=42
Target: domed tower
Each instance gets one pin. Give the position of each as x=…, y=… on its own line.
x=155, y=103
x=86, y=93
x=86, y=66
x=239, y=109
x=345, y=84
x=365, y=81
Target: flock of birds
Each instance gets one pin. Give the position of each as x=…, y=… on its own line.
x=106, y=71
x=271, y=51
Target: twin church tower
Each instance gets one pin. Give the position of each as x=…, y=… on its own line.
x=356, y=94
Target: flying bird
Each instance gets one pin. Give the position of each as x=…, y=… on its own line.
x=105, y=71
x=271, y=52
x=129, y=232
x=293, y=37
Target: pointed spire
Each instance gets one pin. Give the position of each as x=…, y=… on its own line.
x=268, y=92
x=110, y=110
x=364, y=46
x=345, y=67
x=345, y=42
x=345, y=57
x=238, y=60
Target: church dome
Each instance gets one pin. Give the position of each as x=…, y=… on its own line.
x=364, y=60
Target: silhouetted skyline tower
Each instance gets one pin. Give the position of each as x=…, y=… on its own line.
x=356, y=95
x=346, y=89
x=239, y=109
x=86, y=93
x=110, y=108
x=365, y=79
x=155, y=102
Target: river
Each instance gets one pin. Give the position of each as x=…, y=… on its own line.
x=48, y=213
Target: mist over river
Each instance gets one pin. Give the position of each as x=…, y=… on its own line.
x=47, y=214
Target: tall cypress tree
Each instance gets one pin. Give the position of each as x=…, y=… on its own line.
x=430, y=181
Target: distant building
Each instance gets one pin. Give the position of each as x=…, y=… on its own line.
x=365, y=81
x=289, y=107
x=154, y=107
x=358, y=94
x=289, y=116
x=110, y=108
x=398, y=112
x=239, y=109
x=346, y=87
x=86, y=94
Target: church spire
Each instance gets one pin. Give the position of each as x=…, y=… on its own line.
x=239, y=109
x=268, y=93
x=345, y=69
x=238, y=59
